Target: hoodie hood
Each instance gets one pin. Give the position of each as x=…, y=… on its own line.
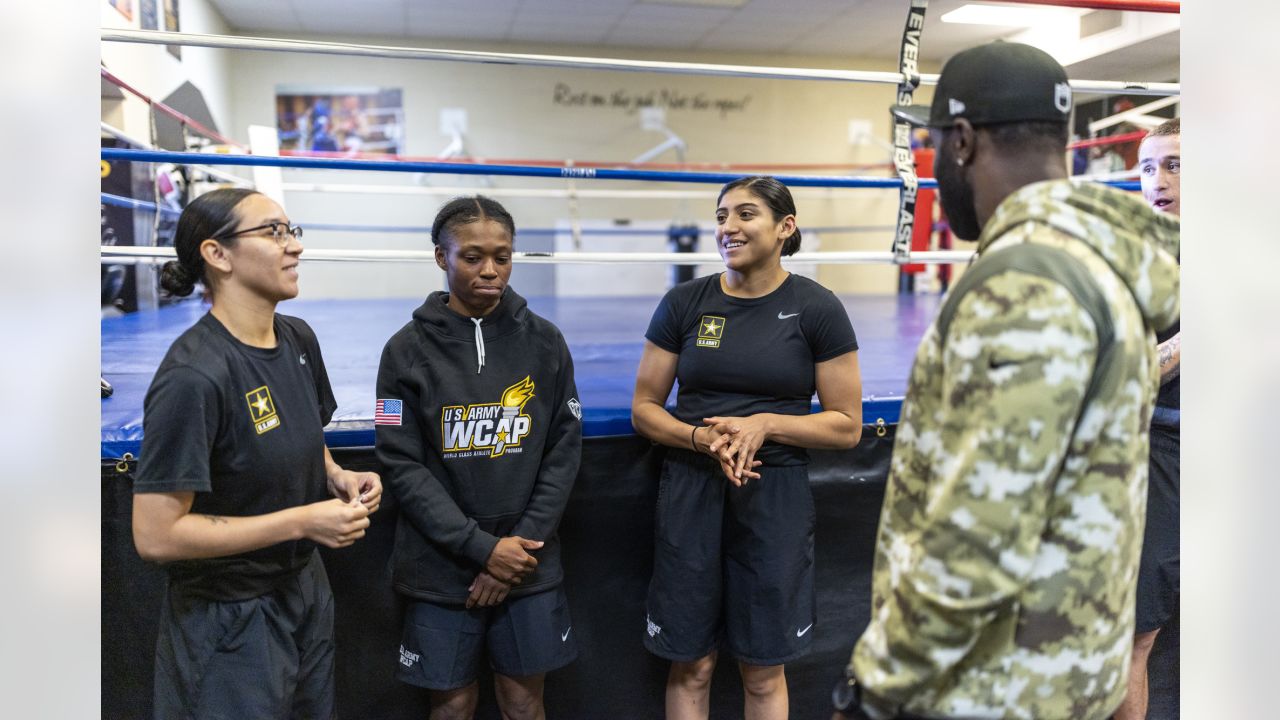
x=436, y=317
x=1140, y=245
x=439, y=319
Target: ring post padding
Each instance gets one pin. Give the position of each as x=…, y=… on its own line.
x=903, y=160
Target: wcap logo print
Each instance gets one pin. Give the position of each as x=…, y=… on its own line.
x=497, y=427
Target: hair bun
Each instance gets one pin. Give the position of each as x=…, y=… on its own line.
x=176, y=280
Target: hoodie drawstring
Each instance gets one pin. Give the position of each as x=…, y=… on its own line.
x=479, y=344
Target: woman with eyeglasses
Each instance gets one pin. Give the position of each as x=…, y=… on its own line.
x=235, y=487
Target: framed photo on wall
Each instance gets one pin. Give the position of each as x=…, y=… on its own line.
x=124, y=7
x=171, y=25
x=346, y=120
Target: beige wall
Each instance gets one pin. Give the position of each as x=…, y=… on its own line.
x=153, y=71
x=512, y=114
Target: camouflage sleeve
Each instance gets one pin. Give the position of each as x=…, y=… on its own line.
x=970, y=485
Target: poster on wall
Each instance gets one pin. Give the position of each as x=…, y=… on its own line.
x=171, y=25
x=124, y=7
x=148, y=14
x=340, y=120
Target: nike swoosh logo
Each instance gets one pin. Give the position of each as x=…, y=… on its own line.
x=565, y=636
x=800, y=633
x=784, y=317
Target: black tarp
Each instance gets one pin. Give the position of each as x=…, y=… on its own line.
x=607, y=535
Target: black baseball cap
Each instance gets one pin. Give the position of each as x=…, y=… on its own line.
x=995, y=83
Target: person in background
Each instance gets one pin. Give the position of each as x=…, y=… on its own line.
x=1160, y=168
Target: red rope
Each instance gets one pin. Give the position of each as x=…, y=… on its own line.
x=156, y=104
x=1158, y=6
x=1109, y=140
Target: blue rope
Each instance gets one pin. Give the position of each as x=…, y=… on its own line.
x=131, y=204
x=159, y=156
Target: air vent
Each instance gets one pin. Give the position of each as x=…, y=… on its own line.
x=1099, y=21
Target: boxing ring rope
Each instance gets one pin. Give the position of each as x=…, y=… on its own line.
x=233, y=42
x=1155, y=6
x=1109, y=140
x=210, y=171
x=621, y=165
x=157, y=105
x=132, y=204
x=113, y=253
x=496, y=192
x=512, y=170
x=704, y=165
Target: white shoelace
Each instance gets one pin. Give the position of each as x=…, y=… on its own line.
x=479, y=344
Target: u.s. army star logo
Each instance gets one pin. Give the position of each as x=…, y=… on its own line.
x=261, y=410
x=710, y=330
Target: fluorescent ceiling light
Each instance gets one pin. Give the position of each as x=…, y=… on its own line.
x=1004, y=15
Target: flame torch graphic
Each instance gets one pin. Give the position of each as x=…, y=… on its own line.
x=513, y=401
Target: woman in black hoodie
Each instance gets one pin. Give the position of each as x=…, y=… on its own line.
x=479, y=434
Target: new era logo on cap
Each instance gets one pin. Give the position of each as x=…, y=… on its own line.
x=1062, y=96
x=955, y=106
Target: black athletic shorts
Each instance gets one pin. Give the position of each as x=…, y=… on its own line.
x=732, y=566
x=1159, y=573
x=266, y=657
x=442, y=645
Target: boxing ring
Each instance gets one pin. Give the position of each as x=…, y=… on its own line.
x=606, y=532
x=607, y=528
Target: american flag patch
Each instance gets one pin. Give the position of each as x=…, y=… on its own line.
x=387, y=412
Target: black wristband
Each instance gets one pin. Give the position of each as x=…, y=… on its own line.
x=693, y=438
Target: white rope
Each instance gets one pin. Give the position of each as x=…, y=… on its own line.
x=561, y=193
x=141, y=145
x=1130, y=174
x=155, y=37
x=1132, y=115
x=126, y=255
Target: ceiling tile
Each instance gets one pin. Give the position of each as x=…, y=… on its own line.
x=854, y=28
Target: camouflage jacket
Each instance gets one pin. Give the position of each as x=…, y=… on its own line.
x=1009, y=538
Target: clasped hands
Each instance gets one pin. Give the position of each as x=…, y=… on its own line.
x=734, y=441
x=508, y=564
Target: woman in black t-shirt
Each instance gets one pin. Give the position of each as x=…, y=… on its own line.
x=733, y=557
x=233, y=476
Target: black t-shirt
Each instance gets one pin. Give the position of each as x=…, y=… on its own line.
x=1169, y=396
x=242, y=428
x=743, y=356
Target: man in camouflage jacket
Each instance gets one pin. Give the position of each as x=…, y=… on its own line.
x=1012, y=523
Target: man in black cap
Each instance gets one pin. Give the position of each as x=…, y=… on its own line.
x=1010, y=534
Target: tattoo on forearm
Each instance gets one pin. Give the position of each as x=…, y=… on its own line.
x=1170, y=358
x=215, y=519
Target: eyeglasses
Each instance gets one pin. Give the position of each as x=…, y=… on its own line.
x=280, y=232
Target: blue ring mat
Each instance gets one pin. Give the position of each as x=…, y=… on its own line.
x=605, y=336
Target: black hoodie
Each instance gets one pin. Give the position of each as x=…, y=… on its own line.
x=484, y=443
